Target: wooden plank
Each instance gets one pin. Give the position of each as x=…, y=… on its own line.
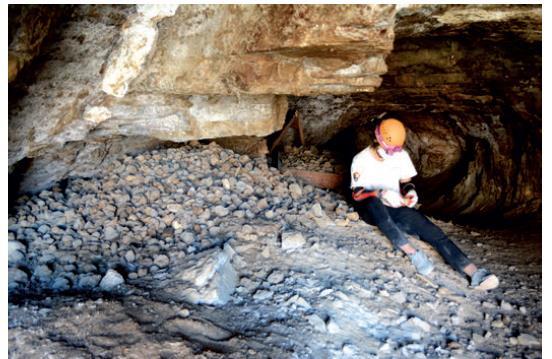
x=299, y=125
x=282, y=133
x=319, y=179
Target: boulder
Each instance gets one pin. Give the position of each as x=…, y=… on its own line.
x=292, y=240
x=211, y=279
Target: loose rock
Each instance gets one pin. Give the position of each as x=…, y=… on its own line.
x=111, y=280
x=292, y=240
x=161, y=261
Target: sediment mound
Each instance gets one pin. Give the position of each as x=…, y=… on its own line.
x=200, y=252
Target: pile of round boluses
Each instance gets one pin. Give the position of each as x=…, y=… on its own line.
x=140, y=213
x=311, y=159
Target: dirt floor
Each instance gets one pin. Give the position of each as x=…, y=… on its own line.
x=216, y=255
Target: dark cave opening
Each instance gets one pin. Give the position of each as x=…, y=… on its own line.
x=343, y=147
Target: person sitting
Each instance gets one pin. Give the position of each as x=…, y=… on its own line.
x=384, y=195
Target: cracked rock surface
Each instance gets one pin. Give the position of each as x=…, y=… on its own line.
x=200, y=252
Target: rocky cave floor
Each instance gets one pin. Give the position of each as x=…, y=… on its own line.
x=290, y=269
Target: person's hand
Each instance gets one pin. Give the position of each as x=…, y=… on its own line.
x=410, y=198
x=392, y=198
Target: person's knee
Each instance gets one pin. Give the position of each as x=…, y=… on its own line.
x=436, y=234
x=428, y=229
x=385, y=222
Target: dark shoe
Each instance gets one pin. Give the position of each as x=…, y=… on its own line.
x=482, y=279
x=423, y=265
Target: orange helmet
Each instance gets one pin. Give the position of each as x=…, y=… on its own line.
x=391, y=134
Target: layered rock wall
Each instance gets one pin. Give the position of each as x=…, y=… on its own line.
x=466, y=79
x=178, y=73
x=277, y=49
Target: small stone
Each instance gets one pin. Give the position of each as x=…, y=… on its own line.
x=43, y=229
x=353, y=216
x=385, y=348
x=248, y=284
x=317, y=323
x=60, y=284
x=292, y=240
x=262, y=204
x=187, y=237
x=528, y=340
x=88, y=281
x=454, y=345
x=221, y=211
x=130, y=256
x=214, y=160
x=161, y=261
x=43, y=273
x=176, y=225
x=16, y=252
x=317, y=210
x=417, y=322
x=56, y=230
x=332, y=326
x=295, y=191
x=225, y=183
x=69, y=268
x=262, y=294
x=399, y=297
x=174, y=207
x=142, y=272
x=111, y=280
x=456, y=320
x=497, y=324
x=132, y=275
x=523, y=310
x=111, y=233
x=16, y=277
x=478, y=339
x=298, y=301
x=349, y=350
x=183, y=313
x=276, y=277
x=342, y=222
x=504, y=305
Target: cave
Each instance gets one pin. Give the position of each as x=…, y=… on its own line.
x=179, y=180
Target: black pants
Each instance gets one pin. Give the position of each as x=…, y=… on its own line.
x=394, y=221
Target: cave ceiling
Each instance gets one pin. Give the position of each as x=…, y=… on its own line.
x=466, y=79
